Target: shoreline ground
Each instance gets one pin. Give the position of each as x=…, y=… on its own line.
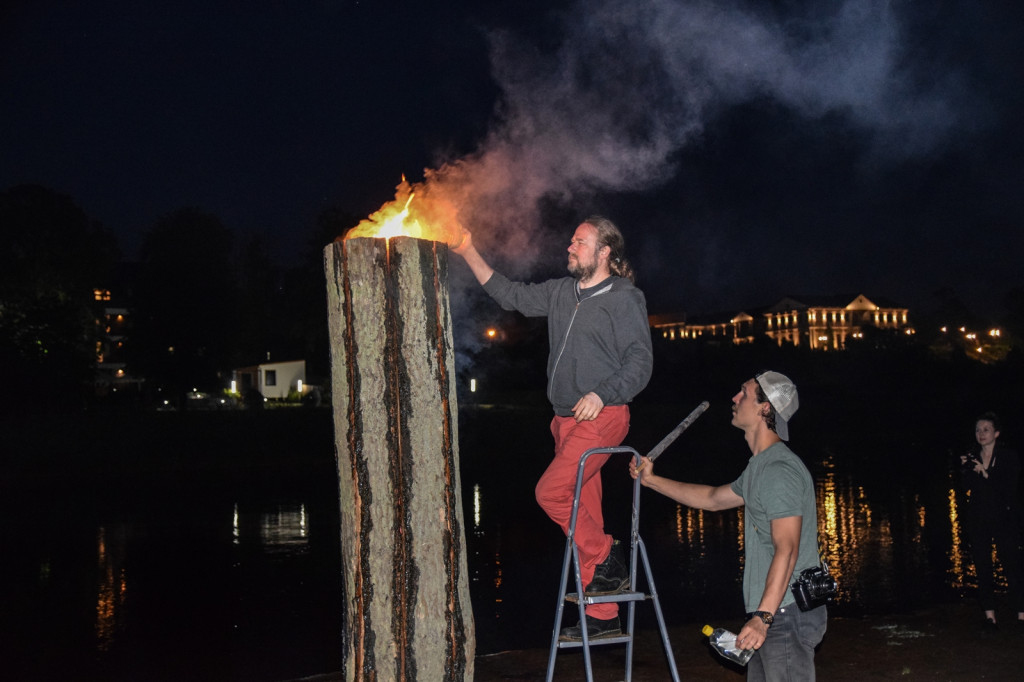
x=945, y=642
x=940, y=643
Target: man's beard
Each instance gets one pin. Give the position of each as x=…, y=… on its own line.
x=582, y=272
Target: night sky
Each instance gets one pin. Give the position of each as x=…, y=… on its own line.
x=748, y=150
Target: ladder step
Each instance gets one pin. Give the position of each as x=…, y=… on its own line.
x=607, y=597
x=594, y=641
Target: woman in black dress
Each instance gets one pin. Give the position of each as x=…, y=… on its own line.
x=991, y=475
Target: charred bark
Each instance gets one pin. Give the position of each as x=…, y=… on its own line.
x=407, y=609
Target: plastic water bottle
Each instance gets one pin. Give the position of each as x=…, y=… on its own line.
x=724, y=642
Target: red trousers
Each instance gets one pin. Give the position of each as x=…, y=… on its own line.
x=557, y=485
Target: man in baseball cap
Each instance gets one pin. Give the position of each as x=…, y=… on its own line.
x=780, y=529
x=781, y=394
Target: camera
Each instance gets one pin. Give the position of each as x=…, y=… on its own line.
x=967, y=466
x=814, y=587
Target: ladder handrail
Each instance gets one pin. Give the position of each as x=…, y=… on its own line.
x=636, y=545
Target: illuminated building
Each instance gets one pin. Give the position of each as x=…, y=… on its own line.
x=737, y=329
x=816, y=323
x=828, y=324
x=274, y=380
x=111, y=369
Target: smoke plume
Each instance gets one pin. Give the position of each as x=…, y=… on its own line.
x=630, y=84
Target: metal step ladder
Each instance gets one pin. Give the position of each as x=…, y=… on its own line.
x=630, y=597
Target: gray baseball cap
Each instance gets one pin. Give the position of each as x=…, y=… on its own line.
x=781, y=393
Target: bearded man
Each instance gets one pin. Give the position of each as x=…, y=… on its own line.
x=599, y=359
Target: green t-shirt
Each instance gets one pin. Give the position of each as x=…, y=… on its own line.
x=775, y=485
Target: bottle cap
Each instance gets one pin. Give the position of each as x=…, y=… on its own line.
x=707, y=630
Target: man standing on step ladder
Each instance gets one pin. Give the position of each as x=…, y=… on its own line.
x=599, y=359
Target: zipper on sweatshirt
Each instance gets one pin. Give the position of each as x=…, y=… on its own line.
x=565, y=338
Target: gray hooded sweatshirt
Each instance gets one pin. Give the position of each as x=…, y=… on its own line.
x=599, y=338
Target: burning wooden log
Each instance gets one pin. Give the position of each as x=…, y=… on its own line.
x=407, y=609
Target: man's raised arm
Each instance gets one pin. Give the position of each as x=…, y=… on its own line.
x=481, y=270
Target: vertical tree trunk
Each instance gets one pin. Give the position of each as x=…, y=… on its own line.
x=407, y=609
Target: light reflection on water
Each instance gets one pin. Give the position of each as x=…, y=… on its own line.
x=873, y=548
x=888, y=549
x=112, y=583
x=243, y=566
x=485, y=568
x=282, y=529
x=955, y=554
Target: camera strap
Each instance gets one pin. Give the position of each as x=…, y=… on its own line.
x=821, y=550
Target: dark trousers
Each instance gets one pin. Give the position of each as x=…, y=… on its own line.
x=1006, y=536
x=787, y=654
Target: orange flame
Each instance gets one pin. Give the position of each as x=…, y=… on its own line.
x=431, y=218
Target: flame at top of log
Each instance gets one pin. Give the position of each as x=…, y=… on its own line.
x=412, y=213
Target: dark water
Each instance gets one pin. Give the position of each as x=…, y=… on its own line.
x=893, y=536
x=206, y=546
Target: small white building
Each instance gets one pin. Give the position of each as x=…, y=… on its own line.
x=272, y=379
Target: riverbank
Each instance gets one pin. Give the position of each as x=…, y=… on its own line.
x=114, y=514
x=940, y=643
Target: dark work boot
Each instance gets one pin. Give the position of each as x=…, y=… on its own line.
x=612, y=574
x=595, y=628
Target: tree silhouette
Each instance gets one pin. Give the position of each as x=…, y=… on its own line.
x=186, y=300
x=258, y=333
x=54, y=256
x=304, y=319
